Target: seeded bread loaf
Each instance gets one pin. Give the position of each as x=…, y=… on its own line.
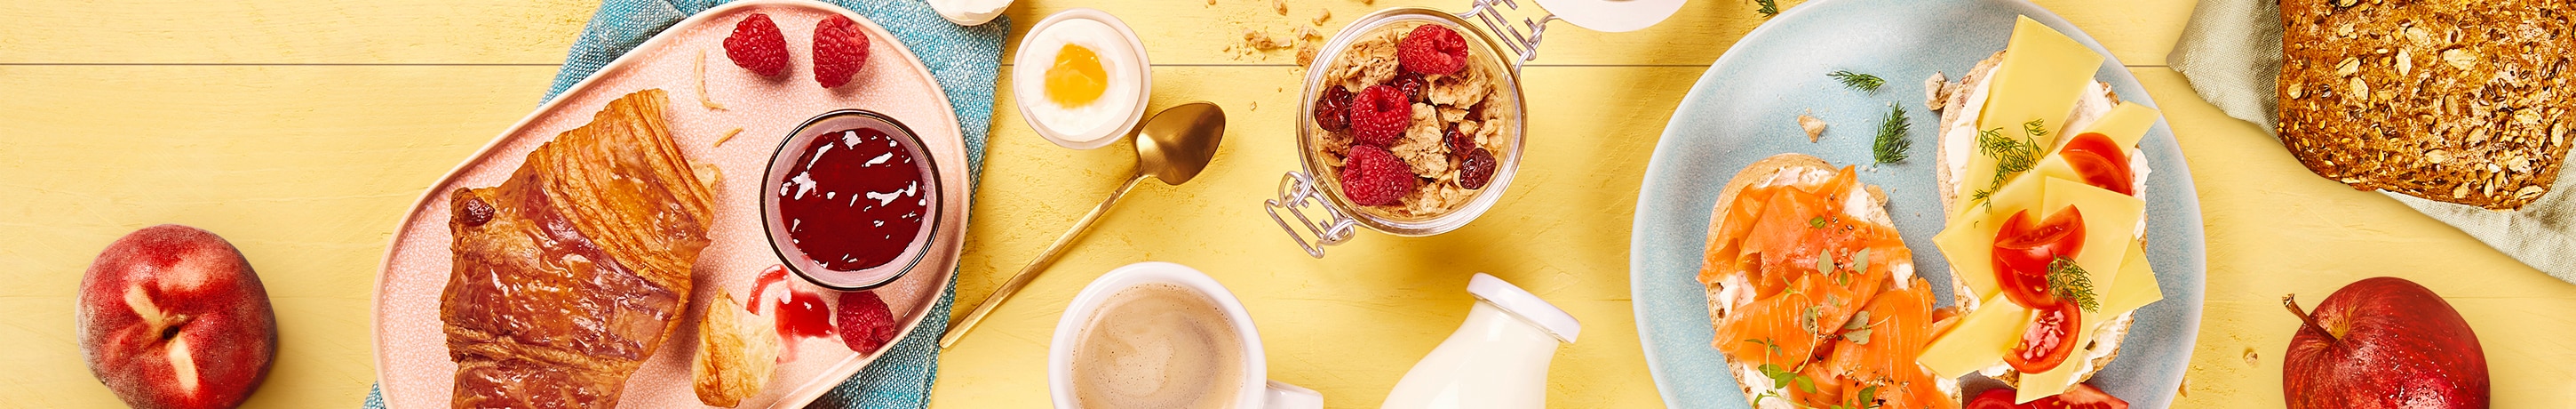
x=2461, y=101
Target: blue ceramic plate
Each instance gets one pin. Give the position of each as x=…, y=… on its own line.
x=1744, y=108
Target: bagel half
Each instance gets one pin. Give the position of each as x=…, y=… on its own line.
x=1866, y=202
x=1959, y=112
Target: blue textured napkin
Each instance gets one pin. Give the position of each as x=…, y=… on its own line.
x=967, y=63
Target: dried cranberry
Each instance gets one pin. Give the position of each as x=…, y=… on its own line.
x=1459, y=143
x=1410, y=83
x=1333, y=109
x=1477, y=169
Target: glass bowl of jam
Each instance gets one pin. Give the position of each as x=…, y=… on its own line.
x=851, y=200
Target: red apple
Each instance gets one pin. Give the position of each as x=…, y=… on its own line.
x=2383, y=343
x=172, y=317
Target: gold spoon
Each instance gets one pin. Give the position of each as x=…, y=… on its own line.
x=1174, y=147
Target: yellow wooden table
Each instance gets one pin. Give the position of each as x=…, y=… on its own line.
x=302, y=129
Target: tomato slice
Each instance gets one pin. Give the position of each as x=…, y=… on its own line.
x=2082, y=396
x=1997, y=398
x=2100, y=162
x=2047, y=340
x=2024, y=249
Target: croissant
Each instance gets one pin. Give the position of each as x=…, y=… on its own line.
x=573, y=272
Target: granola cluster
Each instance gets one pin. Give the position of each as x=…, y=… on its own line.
x=1410, y=91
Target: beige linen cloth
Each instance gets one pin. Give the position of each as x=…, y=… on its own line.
x=2231, y=51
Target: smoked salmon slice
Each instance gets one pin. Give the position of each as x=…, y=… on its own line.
x=1802, y=285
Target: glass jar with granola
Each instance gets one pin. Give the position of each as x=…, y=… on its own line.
x=1411, y=125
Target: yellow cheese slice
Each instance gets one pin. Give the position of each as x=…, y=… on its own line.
x=1979, y=340
x=2135, y=287
x=2041, y=75
x=2126, y=124
x=2110, y=223
x=2055, y=167
x=1969, y=240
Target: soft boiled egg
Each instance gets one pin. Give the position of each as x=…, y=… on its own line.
x=1081, y=78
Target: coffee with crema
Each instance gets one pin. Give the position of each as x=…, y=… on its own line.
x=1156, y=346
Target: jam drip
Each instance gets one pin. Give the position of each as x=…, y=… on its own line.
x=799, y=313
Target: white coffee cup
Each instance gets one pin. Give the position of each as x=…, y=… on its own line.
x=1257, y=391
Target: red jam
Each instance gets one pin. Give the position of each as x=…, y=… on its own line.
x=801, y=314
x=854, y=200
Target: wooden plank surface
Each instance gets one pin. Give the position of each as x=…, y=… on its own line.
x=300, y=129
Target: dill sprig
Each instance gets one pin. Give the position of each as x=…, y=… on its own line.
x=1859, y=81
x=1892, y=143
x=1769, y=7
x=2011, y=156
x=2070, y=282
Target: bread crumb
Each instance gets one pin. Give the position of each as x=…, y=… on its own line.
x=1322, y=15
x=1936, y=91
x=727, y=137
x=1280, y=6
x=1211, y=3
x=703, y=99
x=1815, y=127
x=1262, y=41
x=1256, y=105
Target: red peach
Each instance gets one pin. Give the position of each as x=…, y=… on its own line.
x=171, y=316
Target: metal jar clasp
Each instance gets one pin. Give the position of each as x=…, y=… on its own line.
x=1298, y=195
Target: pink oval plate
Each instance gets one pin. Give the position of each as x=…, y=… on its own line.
x=411, y=348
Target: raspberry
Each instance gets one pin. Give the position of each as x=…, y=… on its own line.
x=1411, y=83
x=1432, y=49
x=1333, y=110
x=1459, y=143
x=756, y=45
x=865, y=322
x=1477, y=170
x=1379, y=115
x=1373, y=177
x=839, y=50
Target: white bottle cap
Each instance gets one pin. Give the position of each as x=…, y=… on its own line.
x=1525, y=305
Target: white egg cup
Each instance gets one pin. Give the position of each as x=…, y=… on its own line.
x=1030, y=70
